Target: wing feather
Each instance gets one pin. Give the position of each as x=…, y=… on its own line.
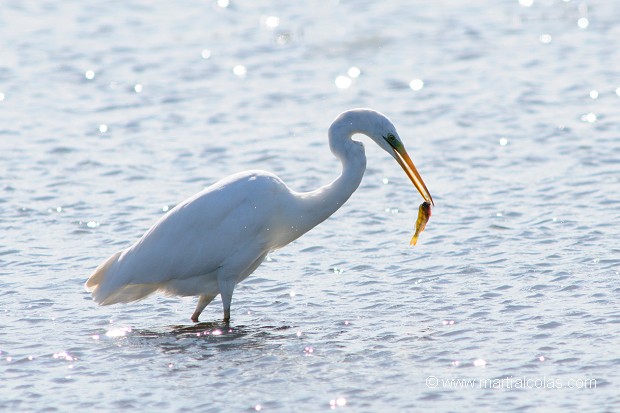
x=193, y=239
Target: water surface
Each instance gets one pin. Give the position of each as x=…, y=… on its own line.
x=113, y=112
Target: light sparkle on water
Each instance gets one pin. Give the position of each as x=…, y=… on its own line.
x=270, y=22
x=118, y=332
x=338, y=402
x=354, y=72
x=240, y=71
x=416, y=84
x=589, y=117
x=545, y=38
x=343, y=82
x=63, y=355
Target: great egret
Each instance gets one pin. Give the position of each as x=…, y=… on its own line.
x=212, y=241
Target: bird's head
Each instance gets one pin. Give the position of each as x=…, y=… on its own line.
x=392, y=144
x=381, y=130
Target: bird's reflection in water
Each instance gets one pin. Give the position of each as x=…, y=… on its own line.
x=204, y=340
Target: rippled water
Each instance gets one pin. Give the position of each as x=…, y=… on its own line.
x=113, y=112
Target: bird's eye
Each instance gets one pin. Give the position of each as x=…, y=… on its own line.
x=391, y=137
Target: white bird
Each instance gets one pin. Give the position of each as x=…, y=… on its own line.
x=215, y=239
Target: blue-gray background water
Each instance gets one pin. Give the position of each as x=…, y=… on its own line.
x=112, y=112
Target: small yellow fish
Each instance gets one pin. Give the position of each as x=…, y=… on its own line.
x=424, y=213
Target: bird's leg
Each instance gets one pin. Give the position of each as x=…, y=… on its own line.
x=203, y=301
x=227, y=285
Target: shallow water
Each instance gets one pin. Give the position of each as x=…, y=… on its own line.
x=113, y=112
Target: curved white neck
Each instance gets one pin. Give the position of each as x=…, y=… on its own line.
x=320, y=204
x=316, y=206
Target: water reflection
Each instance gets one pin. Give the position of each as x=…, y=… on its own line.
x=207, y=339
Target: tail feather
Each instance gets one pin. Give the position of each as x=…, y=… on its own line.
x=129, y=293
x=105, y=292
x=98, y=277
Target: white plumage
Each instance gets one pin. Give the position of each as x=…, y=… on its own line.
x=212, y=241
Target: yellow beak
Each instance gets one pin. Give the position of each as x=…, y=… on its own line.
x=407, y=164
